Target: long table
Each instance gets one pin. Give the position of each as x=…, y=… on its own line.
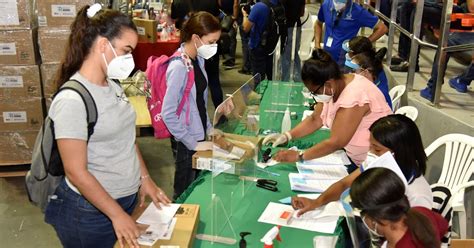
x=244, y=202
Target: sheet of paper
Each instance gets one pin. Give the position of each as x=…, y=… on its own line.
x=328, y=210
x=156, y=232
x=270, y=162
x=323, y=172
x=273, y=211
x=336, y=158
x=306, y=183
x=388, y=161
x=154, y=216
x=236, y=153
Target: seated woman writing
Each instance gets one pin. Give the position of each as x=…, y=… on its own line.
x=347, y=103
x=399, y=135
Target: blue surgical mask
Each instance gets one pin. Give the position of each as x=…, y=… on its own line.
x=350, y=64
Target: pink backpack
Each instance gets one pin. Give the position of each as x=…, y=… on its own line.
x=156, y=87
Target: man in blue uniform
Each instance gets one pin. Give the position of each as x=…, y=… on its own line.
x=255, y=23
x=343, y=19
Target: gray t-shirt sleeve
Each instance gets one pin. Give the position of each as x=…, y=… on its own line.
x=69, y=115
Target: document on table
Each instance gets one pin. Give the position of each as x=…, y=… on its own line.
x=156, y=232
x=273, y=211
x=322, y=171
x=154, y=216
x=308, y=183
x=336, y=158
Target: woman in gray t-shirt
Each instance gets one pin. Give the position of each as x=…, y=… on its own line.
x=105, y=172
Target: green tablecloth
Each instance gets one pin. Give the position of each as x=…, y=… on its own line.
x=242, y=200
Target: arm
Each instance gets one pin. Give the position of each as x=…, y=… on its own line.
x=379, y=30
x=318, y=31
x=246, y=24
x=345, y=124
x=333, y=193
x=148, y=185
x=344, y=127
x=74, y=156
x=235, y=13
x=309, y=125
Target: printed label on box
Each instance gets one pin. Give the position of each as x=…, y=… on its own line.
x=141, y=30
x=14, y=117
x=63, y=10
x=8, y=48
x=9, y=10
x=11, y=81
x=42, y=21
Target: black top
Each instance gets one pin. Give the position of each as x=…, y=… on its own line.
x=227, y=6
x=201, y=85
x=210, y=6
x=293, y=11
x=181, y=8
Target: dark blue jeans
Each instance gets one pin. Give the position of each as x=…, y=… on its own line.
x=184, y=174
x=245, y=49
x=286, y=61
x=261, y=62
x=455, y=38
x=78, y=223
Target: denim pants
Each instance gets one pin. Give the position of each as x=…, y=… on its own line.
x=286, y=61
x=184, y=174
x=78, y=223
x=230, y=56
x=455, y=38
x=406, y=14
x=261, y=62
x=245, y=49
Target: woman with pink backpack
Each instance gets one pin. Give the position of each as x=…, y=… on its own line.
x=190, y=127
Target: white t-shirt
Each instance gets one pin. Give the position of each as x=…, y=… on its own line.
x=111, y=152
x=419, y=193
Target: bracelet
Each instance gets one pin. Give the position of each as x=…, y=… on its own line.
x=144, y=177
x=300, y=156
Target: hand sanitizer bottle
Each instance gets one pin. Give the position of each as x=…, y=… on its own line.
x=286, y=122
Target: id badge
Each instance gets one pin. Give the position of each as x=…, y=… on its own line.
x=329, y=42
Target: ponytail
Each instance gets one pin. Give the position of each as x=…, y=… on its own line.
x=421, y=229
x=84, y=31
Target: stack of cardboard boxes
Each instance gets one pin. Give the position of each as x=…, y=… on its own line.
x=30, y=32
x=54, y=20
x=20, y=87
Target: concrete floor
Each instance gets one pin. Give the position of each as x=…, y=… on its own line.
x=22, y=225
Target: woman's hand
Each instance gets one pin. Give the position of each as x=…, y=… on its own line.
x=286, y=156
x=126, y=228
x=303, y=204
x=150, y=189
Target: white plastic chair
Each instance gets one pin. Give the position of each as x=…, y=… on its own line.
x=458, y=167
x=395, y=94
x=409, y=111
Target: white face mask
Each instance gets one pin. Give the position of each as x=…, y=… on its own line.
x=373, y=232
x=323, y=97
x=338, y=5
x=206, y=51
x=119, y=67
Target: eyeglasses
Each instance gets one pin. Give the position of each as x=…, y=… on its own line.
x=316, y=91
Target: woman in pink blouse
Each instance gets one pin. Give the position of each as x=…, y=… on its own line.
x=347, y=103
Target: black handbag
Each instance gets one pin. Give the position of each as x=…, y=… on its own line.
x=226, y=23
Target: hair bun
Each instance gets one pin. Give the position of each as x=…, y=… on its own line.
x=320, y=54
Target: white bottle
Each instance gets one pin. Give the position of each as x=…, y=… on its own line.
x=286, y=122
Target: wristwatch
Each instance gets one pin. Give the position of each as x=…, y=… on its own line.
x=300, y=156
